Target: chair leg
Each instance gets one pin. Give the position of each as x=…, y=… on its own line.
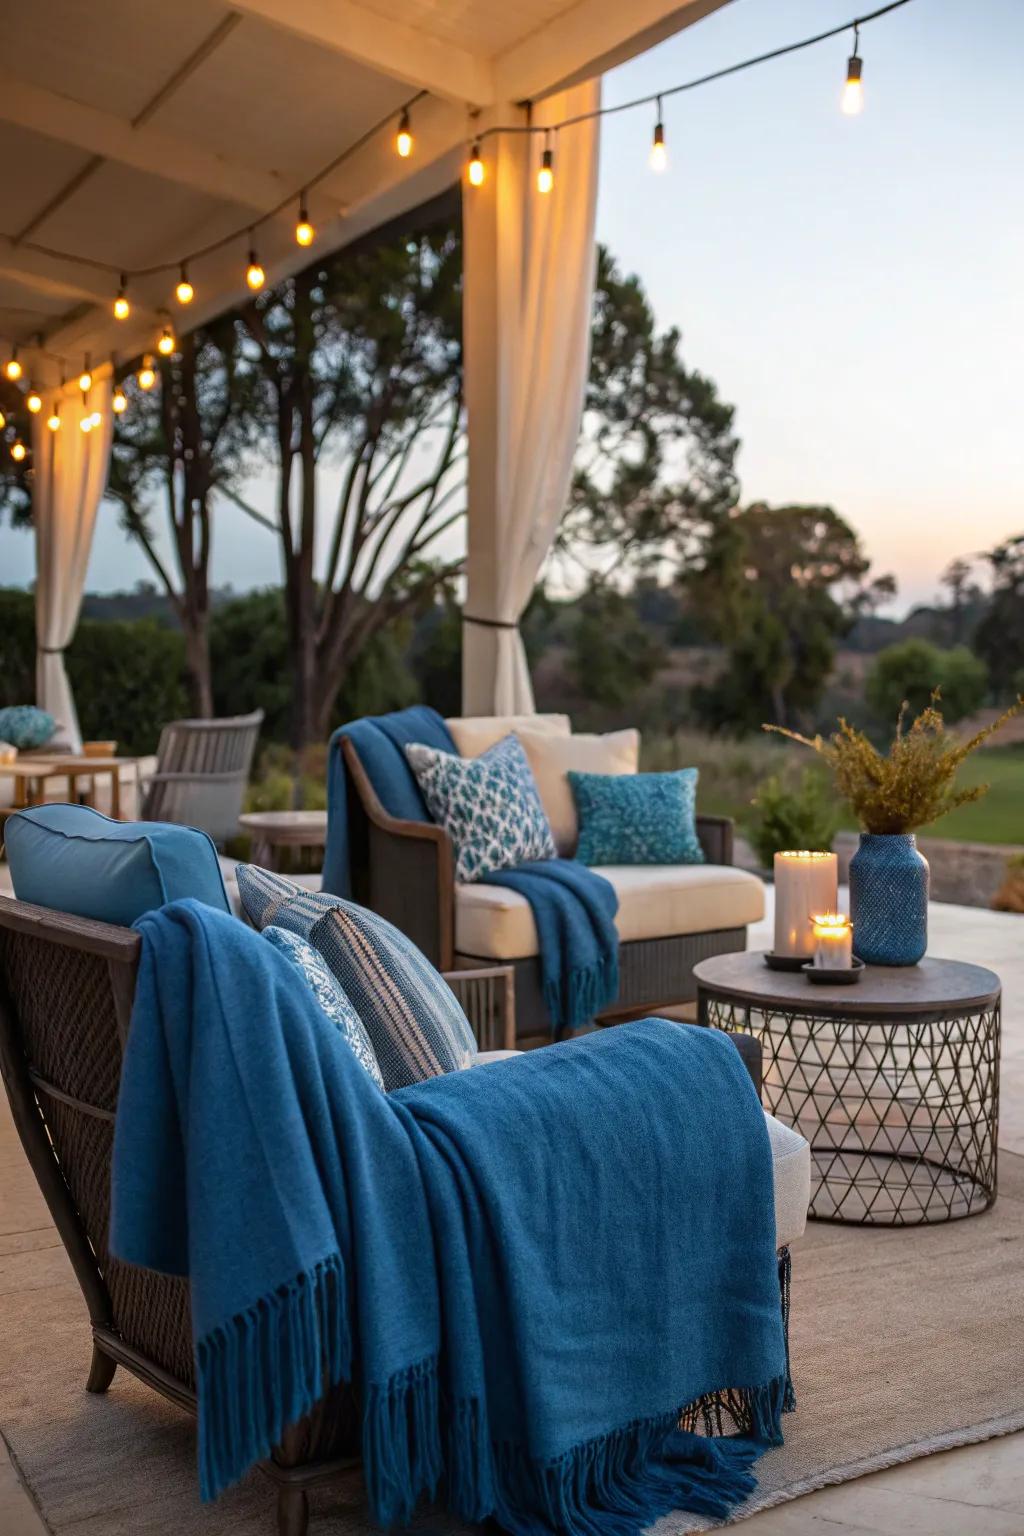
x=292, y=1512
x=101, y=1371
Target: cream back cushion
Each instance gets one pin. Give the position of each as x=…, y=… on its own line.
x=552, y=757
x=473, y=734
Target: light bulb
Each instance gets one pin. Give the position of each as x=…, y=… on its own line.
x=18, y=452
x=254, y=273
x=475, y=169
x=184, y=292
x=165, y=346
x=122, y=309
x=96, y=418
x=119, y=402
x=3, y=421
x=853, y=90
x=85, y=381
x=659, y=154
x=34, y=403
x=86, y=423
x=53, y=420
x=13, y=369
x=546, y=174
x=304, y=230
x=403, y=138
x=147, y=375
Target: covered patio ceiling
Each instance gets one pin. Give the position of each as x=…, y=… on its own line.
x=133, y=133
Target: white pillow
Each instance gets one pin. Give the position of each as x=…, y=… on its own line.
x=473, y=734
x=552, y=758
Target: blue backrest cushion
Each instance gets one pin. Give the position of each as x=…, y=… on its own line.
x=74, y=859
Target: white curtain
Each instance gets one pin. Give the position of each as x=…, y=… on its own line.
x=529, y=283
x=70, y=477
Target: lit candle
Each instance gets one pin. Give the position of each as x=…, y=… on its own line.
x=805, y=883
x=833, y=941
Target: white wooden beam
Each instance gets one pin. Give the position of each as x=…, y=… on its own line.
x=145, y=148
x=421, y=59
x=588, y=39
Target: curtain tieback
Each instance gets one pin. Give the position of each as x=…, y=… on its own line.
x=51, y=650
x=468, y=618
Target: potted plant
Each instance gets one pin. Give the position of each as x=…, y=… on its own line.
x=892, y=794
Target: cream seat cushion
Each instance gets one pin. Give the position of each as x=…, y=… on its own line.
x=553, y=756
x=656, y=901
x=473, y=734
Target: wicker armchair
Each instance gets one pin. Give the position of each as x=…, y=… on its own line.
x=202, y=769
x=66, y=991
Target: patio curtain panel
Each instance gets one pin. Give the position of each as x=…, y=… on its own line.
x=529, y=282
x=70, y=477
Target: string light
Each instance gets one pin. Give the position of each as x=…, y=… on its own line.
x=18, y=450
x=119, y=403
x=304, y=230
x=147, y=373
x=546, y=174
x=34, y=402
x=85, y=377
x=165, y=346
x=13, y=369
x=53, y=420
x=403, y=138
x=254, y=273
x=122, y=309
x=96, y=418
x=659, y=154
x=86, y=424
x=184, y=292
x=3, y=421
x=475, y=169
x=853, y=90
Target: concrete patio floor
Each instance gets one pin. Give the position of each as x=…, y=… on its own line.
x=974, y=1491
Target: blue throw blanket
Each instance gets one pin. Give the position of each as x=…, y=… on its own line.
x=531, y=1269
x=573, y=908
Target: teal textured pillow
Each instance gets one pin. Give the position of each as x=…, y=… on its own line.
x=72, y=858
x=329, y=993
x=413, y=1018
x=489, y=806
x=637, y=818
x=25, y=726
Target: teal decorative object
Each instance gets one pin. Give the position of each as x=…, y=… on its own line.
x=25, y=726
x=637, y=818
x=889, y=899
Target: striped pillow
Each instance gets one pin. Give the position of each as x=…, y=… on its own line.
x=414, y=1021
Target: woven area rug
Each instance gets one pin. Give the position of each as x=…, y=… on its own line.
x=903, y=1343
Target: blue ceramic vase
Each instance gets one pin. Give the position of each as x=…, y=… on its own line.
x=889, y=899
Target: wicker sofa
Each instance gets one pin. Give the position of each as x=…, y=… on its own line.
x=670, y=918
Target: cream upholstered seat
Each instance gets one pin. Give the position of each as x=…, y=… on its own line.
x=656, y=901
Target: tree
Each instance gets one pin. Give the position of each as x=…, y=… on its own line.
x=177, y=447
x=964, y=594
x=777, y=587
x=999, y=638
x=657, y=451
x=359, y=364
x=613, y=654
x=912, y=670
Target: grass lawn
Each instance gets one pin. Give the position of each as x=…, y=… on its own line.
x=999, y=817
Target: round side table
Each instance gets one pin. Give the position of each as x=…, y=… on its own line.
x=273, y=830
x=893, y=1081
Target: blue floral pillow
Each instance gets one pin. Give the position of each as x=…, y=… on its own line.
x=329, y=993
x=637, y=818
x=489, y=806
x=25, y=726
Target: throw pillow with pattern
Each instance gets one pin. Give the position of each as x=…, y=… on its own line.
x=489, y=806
x=416, y=1027
x=326, y=988
x=637, y=818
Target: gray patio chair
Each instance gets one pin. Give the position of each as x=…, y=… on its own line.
x=202, y=768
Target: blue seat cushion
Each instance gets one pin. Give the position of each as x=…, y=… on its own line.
x=74, y=859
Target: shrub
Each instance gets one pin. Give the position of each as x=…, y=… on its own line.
x=912, y=670
x=781, y=818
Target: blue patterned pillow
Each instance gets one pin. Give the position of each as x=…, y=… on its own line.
x=489, y=806
x=413, y=1018
x=637, y=818
x=25, y=726
x=326, y=988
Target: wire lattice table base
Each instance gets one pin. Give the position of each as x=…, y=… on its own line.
x=901, y=1112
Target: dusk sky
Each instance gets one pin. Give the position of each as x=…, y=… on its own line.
x=853, y=286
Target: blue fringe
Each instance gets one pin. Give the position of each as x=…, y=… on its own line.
x=573, y=1000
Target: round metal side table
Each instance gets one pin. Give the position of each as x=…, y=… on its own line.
x=894, y=1081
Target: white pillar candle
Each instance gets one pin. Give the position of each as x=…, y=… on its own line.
x=805, y=883
x=833, y=941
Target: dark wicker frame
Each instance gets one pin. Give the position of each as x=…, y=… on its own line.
x=405, y=870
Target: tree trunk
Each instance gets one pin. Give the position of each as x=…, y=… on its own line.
x=197, y=661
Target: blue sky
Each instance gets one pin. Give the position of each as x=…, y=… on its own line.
x=854, y=286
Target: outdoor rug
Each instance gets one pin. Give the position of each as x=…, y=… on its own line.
x=903, y=1343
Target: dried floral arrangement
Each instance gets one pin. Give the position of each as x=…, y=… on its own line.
x=912, y=784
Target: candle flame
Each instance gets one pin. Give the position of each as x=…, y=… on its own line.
x=836, y=922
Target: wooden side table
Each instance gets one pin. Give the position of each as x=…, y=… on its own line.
x=31, y=774
x=272, y=831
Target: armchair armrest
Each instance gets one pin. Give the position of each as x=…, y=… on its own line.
x=716, y=838
x=488, y=997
